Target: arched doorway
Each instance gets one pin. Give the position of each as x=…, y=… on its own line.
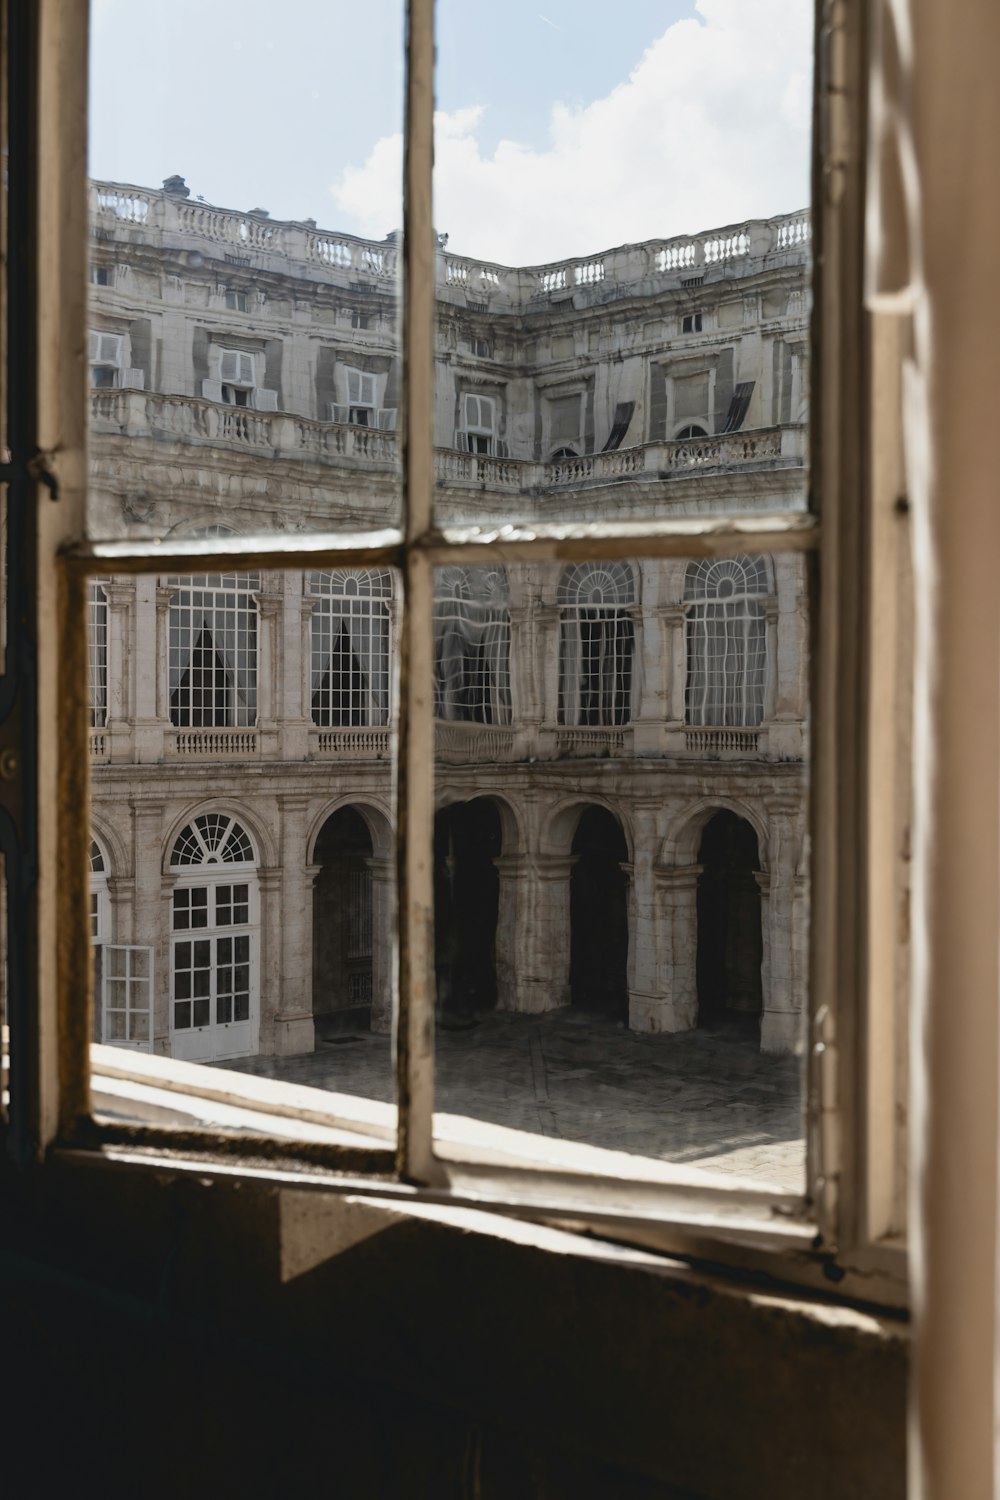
x=730, y=943
x=215, y=927
x=343, y=925
x=468, y=838
x=598, y=914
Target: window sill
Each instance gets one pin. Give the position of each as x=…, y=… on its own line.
x=158, y=1112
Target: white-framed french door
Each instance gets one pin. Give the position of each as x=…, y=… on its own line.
x=126, y=995
x=214, y=967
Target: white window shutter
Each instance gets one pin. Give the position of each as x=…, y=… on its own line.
x=367, y=390
x=472, y=411
x=265, y=400
x=387, y=418
x=211, y=390
x=337, y=413
x=354, y=387
x=105, y=348
x=229, y=365
x=133, y=380
x=246, y=375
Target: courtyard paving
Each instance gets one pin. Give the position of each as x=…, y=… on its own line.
x=706, y=1098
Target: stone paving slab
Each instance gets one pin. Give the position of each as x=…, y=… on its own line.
x=709, y=1099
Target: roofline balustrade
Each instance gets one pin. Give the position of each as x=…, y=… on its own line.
x=137, y=215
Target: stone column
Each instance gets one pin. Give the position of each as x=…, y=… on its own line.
x=546, y=651
x=289, y=925
x=161, y=645
x=675, y=650
x=151, y=701
x=306, y=606
x=533, y=932
x=676, y=935
x=291, y=700
x=525, y=681
x=120, y=699
x=383, y=942
x=268, y=610
x=151, y=910
x=644, y=1000
x=784, y=948
x=655, y=670
x=273, y=1034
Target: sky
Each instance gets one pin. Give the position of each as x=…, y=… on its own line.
x=563, y=126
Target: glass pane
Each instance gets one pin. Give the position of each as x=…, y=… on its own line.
x=576, y=381
x=246, y=794
x=244, y=329
x=621, y=882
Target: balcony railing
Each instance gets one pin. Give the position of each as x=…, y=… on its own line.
x=462, y=744
x=195, y=421
x=592, y=741
x=716, y=741
x=140, y=215
x=212, y=744
x=456, y=744
x=369, y=743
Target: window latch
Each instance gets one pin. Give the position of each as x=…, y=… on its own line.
x=36, y=469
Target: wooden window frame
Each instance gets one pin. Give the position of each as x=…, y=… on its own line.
x=843, y=1232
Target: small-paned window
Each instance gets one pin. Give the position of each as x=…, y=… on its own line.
x=213, y=650
x=726, y=641
x=236, y=301
x=691, y=323
x=478, y=434
x=596, y=643
x=472, y=645
x=361, y=400
x=97, y=640
x=351, y=615
x=105, y=359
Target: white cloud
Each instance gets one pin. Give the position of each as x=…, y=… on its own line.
x=711, y=127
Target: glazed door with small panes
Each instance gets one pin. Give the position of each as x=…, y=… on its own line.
x=213, y=971
x=126, y=996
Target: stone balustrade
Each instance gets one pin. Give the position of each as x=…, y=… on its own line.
x=279, y=435
x=140, y=215
x=715, y=740
x=459, y=743
x=371, y=743
x=211, y=744
x=593, y=741
x=456, y=743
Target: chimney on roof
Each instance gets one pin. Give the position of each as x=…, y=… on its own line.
x=176, y=186
x=261, y=213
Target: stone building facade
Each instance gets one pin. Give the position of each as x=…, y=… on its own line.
x=621, y=748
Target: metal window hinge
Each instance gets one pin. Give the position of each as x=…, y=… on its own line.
x=36, y=469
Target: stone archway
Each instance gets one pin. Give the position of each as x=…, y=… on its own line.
x=598, y=914
x=344, y=926
x=468, y=840
x=730, y=938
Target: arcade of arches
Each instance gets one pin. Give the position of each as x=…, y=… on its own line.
x=659, y=917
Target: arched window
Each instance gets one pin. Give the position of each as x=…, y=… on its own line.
x=350, y=647
x=97, y=640
x=472, y=645
x=213, y=942
x=213, y=650
x=687, y=433
x=596, y=643
x=726, y=641
x=99, y=900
